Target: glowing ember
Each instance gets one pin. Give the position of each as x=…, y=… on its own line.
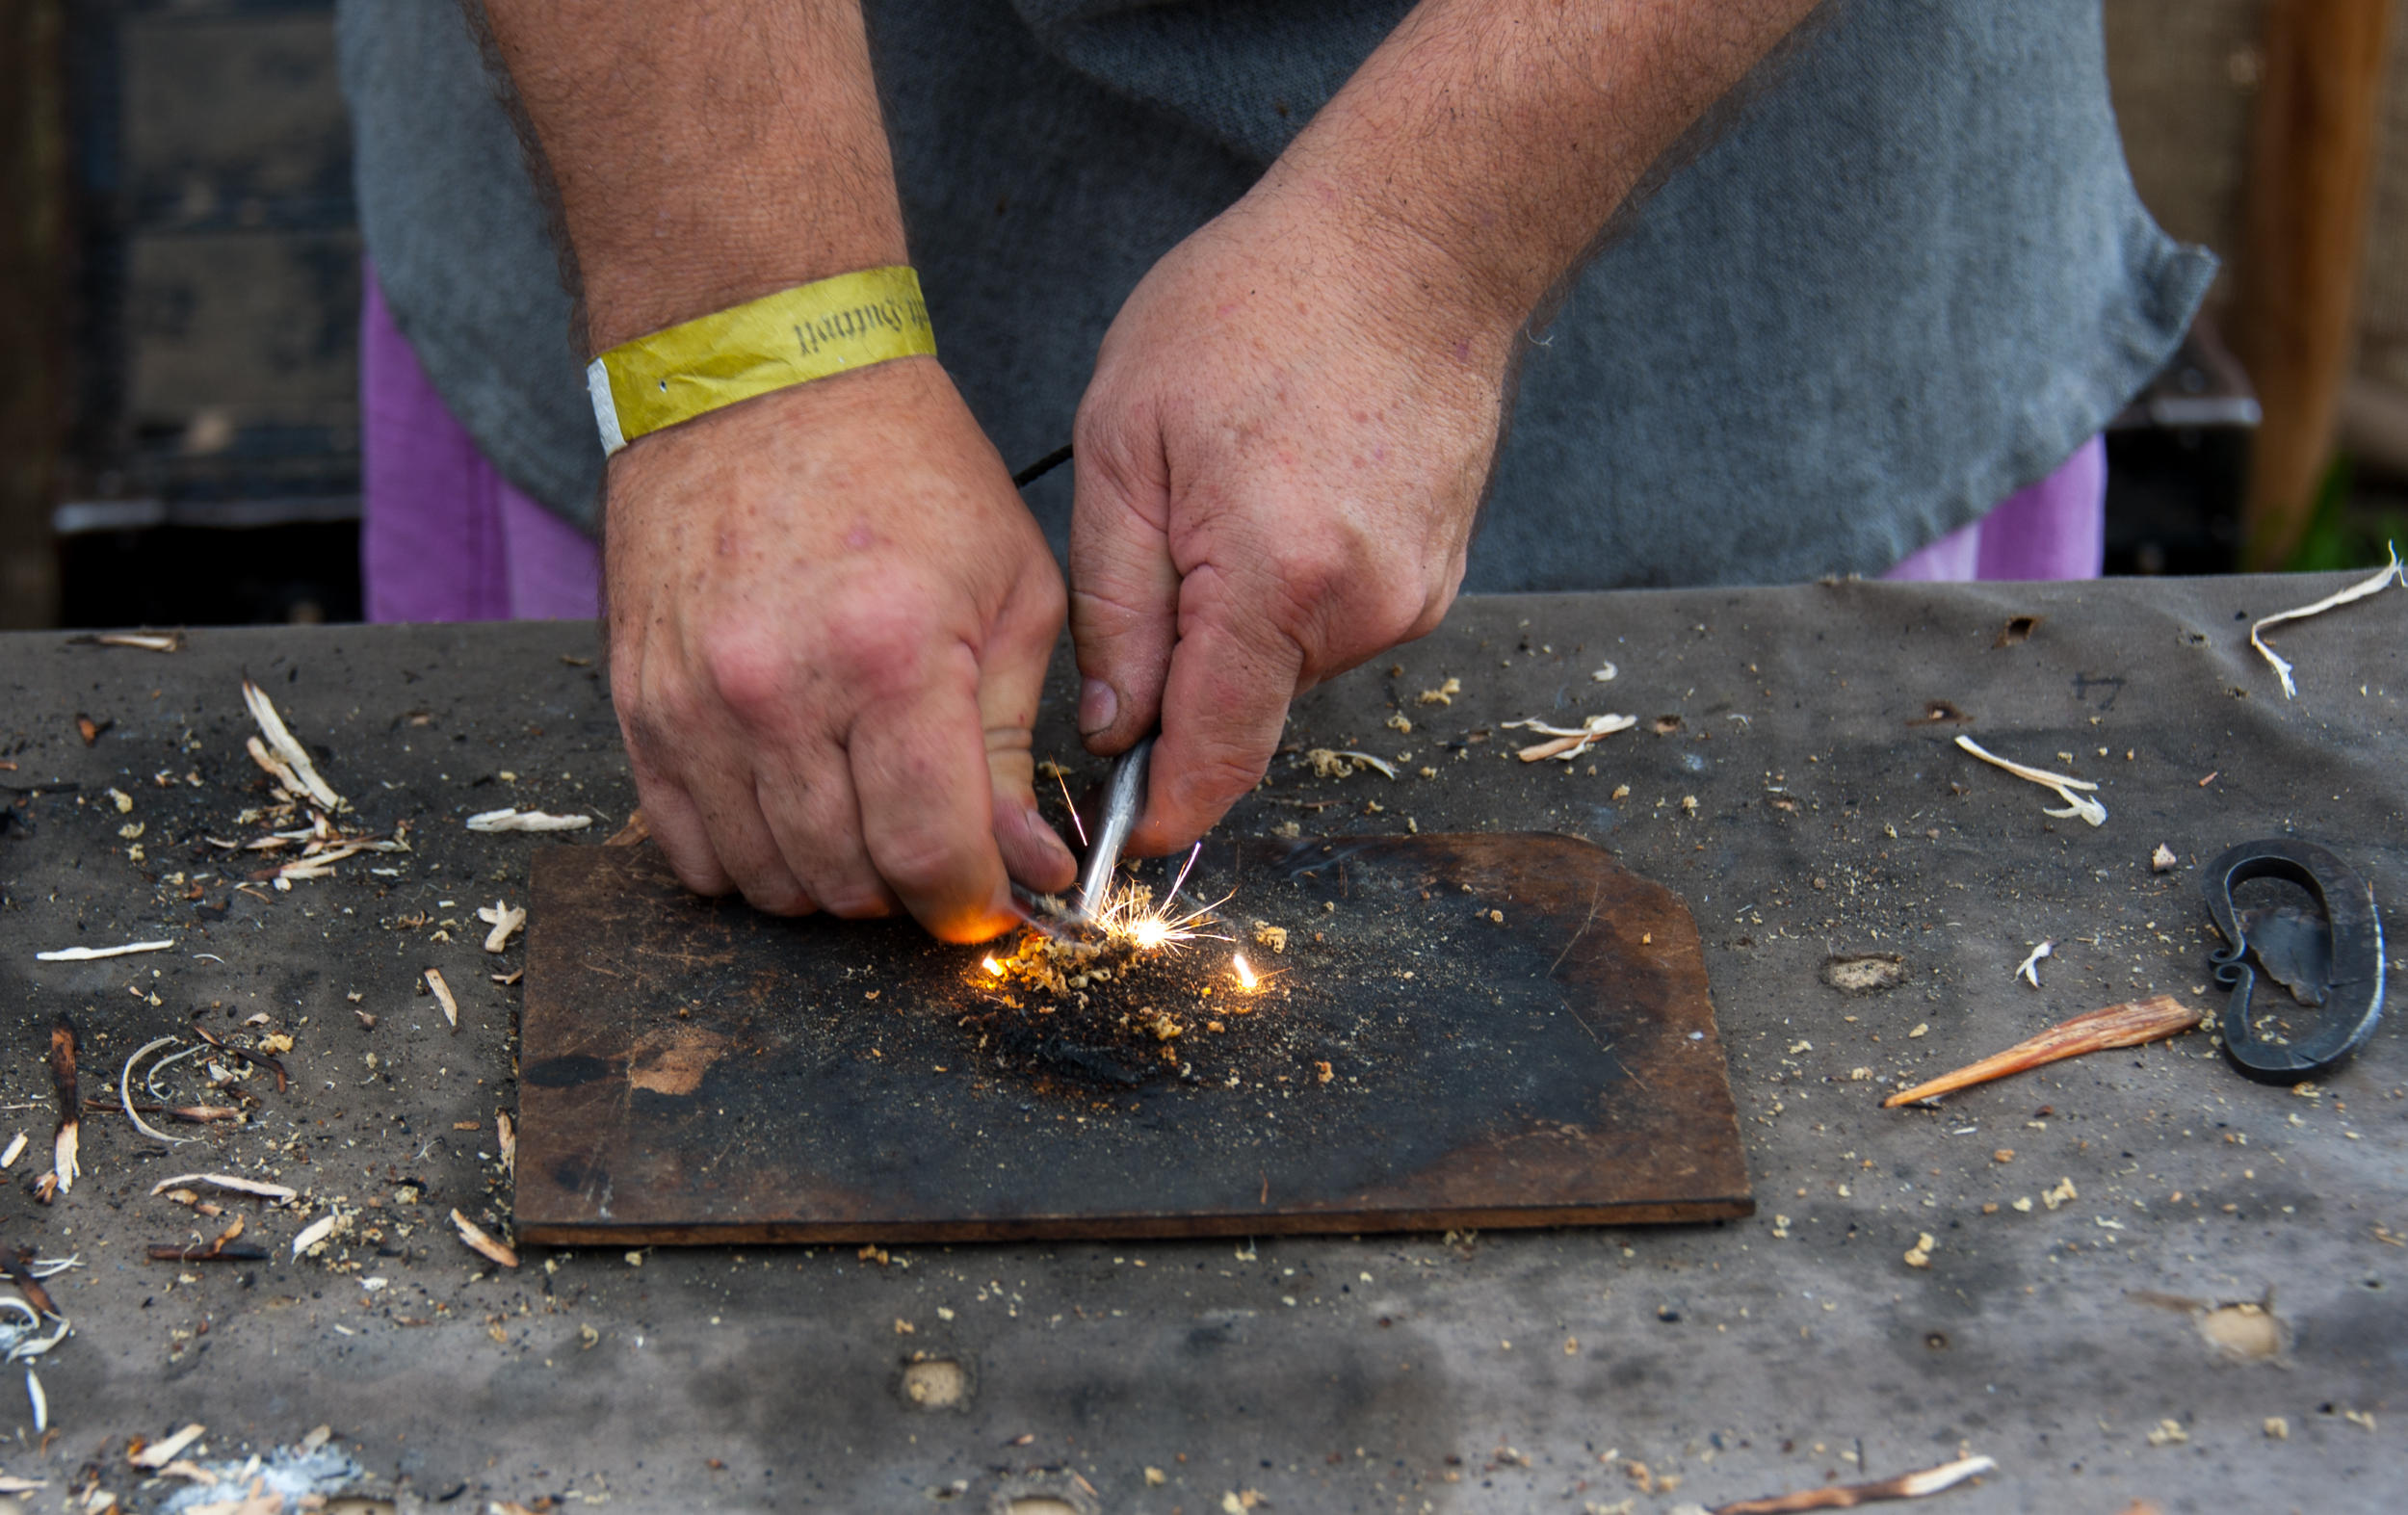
x=1246, y=974
x=992, y=966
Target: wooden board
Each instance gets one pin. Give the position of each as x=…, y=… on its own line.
x=695, y=1072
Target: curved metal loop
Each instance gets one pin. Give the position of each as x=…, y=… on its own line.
x=2353, y=1003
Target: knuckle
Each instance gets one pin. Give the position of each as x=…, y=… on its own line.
x=747, y=672
x=875, y=639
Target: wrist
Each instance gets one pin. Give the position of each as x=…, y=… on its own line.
x=633, y=292
x=793, y=337
x=1426, y=291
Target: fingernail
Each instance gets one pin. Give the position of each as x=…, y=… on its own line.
x=1098, y=707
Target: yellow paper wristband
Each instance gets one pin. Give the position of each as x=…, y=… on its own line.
x=792, y=337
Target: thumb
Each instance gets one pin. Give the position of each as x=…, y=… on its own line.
x=1124, y=588
x=1011, y=680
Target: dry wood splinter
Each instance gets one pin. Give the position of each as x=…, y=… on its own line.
x=2130, y=1025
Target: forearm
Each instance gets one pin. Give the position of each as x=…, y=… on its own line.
x=705, y=153
x=1489, y=143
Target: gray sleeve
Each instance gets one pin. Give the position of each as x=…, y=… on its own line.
x=457, y=241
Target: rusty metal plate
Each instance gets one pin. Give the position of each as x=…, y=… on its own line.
x=695, y=1072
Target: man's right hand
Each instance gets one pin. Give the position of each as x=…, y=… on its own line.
x=830, y=616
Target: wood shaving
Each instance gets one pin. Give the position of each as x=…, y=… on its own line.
x=483, y=1244
x=85, y=954
x=2075, y=803
x=511, y=819
x=2153, y=1019
x=1443, y=695
x=66, y=1145
x=240, y=1186
x=319, y=1230
x=159, y=1454
x=2163, y=860
x=506, y=918
x=143, y=640
x=443, y=996
x=639, y=830
x=1570, y=742
x=126, y=1093
x=293, y=756
x=2029, y=970
x=1338, y=763
x=39, y=1401
x=506, y=1134
x=17, y=1150
x=2373, y=585
x=1607, y=674
x=1847, y=1495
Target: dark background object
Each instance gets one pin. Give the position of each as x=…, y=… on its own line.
x=179, y=301
x=211, y=466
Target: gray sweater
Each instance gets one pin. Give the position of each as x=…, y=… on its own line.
x=1903, y=275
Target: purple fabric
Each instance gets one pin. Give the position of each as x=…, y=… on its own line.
x=2055, y=529
x=443, y=536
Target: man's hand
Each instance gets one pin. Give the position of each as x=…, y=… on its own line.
x=830, y=616
x=1280, y=463
x=829, y=612
x=1291, y=420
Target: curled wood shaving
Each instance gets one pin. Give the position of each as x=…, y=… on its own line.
x=443, y=996
x=512, y=819
x=1569, y=741
x=2153, y=1019
x=1331, y=763
x=85, y=954
x=481, y=1244
x=1847, y=1495
x=2372, y=585
x=240, y=1186
x=292, y=753
x=126, y=1093
x=2075, y=803
x=2029, y=970
x=506, y=918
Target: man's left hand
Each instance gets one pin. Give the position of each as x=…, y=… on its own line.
x=1280, y=460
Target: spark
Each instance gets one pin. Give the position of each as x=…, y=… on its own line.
x=1246, y=974
x=1076, y=823
x=1131, y=914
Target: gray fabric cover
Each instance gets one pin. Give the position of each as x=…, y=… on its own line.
x=1910, y=277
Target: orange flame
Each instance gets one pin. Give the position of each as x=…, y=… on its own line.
x=993, y=967
x=1246, y=974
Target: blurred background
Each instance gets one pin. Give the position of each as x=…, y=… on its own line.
x=179, y=299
